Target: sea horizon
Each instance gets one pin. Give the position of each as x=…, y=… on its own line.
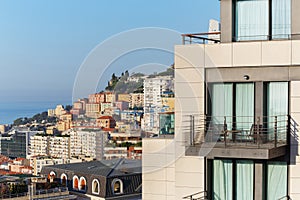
x=10, y=111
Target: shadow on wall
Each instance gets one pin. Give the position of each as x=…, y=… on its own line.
x=294, y=141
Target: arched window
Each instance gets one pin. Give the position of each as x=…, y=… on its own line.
x=95, y=186
x=51, y=176
x=117, y=186
x=82, y=185
x=63, y=180
x=75, y=182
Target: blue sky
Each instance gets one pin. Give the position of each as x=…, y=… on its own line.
x=44, y=42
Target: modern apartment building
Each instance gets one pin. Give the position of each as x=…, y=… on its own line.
x=237, y=110
x=153, y=91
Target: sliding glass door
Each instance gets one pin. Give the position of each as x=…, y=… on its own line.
x=222, y=179
x=277, y=180
x=277, y=108
x=233, y=179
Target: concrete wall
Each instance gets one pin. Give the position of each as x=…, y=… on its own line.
x=189, y=87
x=294, y=168
x=158, y=169
x=226, y=21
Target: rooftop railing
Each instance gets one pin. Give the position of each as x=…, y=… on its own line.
x=238, y=131
x=201, y=38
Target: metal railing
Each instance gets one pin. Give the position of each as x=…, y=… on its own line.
x=201, y=38
x=197, y=196
x=260, y=132
x=43, y=193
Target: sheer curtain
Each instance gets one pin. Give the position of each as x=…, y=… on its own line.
x=222, y=103
x=277, y=180
x=244, y=179
x=281, y=18
x=277, y=106
x=252, y=19
x=222, y=180
x=244, y=105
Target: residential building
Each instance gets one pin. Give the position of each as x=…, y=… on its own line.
x=93, y=110
x=39, y=145
x=237, y=110
x=58, y=111
x=110, y=97
x=124, y=97
x=59, y=147
x=136, y=100
x=79, y=107
x=107, y=179
x=114, y=153
x=87, y=142
x=97, y=98
x=105, y=106
x=106, y=122
x=122, y=105
x=154, y=88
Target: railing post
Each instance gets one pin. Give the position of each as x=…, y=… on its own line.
x=183, y=39
x=192, y=135
x=275, y=131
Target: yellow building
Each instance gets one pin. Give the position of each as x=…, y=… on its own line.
x=124, y=97
x=168, y=104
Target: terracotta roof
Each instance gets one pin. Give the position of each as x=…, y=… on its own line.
x=106, y=117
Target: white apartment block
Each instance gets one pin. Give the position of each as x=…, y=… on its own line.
x=153, y=90
x=39, y=145
x=237, y=110
x=59, y=147
x=87, y=142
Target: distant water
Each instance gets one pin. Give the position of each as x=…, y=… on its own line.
x=9, y=111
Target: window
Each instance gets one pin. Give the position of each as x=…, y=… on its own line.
x=235, y=179
x=63, y=180
x=233, y=102
x=117, y=186
x=82, y=184
x=95, y=186
x=75, y=183
x=277, y=180
x=260, y=19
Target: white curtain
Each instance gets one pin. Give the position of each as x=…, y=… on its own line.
x=222, y=103
x=244, y=105
x=244, y=179
x=281, y=18
x=277, y=106
x=222, y=180
x=252, y=20
x=277, y=180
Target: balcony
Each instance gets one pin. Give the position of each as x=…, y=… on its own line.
x=238, y=137
x=201, y=38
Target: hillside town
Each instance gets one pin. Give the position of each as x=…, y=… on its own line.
x=107, y=125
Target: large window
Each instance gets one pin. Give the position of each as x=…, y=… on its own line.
x=233, y=179
x=236, y=179
x=262, y=19
x=233, y=102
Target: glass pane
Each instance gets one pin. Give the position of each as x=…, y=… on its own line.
x=166, y=123
x=222, y=103
x=277, y=180
x=277, y=106
x=244, y=105
x=252, y=20
x=281, y=18
x=244, y=180
x=222, y=179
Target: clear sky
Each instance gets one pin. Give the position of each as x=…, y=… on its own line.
x=44, y=42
